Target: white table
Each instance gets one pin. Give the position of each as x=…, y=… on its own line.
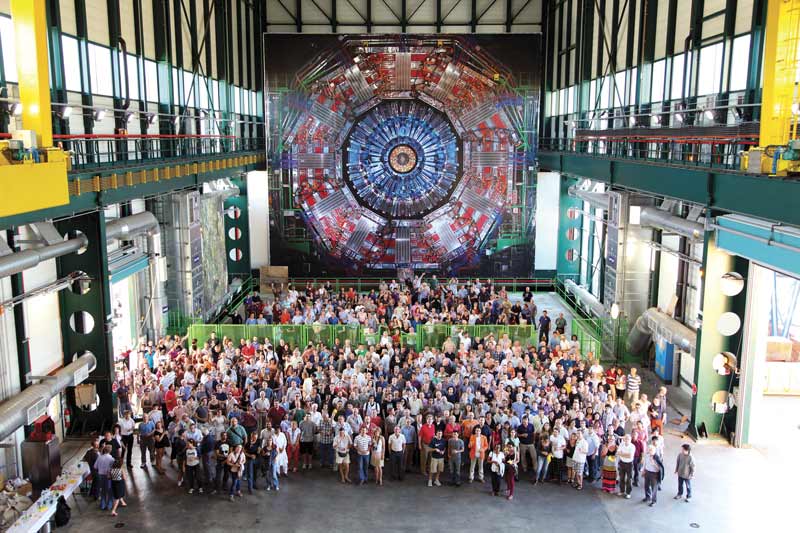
x=38, y=515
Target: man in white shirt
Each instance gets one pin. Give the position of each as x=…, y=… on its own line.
x=579, y=458
x=126, y=425
x=625, y=453
x=397, y=444
x=557, y=445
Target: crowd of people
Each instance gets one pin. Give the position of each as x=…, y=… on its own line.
x=225, y=412
x=401, y=307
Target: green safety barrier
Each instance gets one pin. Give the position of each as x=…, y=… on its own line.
x=432, y=335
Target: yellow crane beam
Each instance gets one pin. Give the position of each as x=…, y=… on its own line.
x=32, y=176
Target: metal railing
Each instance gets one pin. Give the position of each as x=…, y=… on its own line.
x=706, y=152
x=101, y=150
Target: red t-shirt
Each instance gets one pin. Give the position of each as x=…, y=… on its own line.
x=426, y=433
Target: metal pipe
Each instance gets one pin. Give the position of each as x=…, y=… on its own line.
x=586, y=298
x=127, y=228
x=597, y=199
x=662, y=325
x=122, y=228
x=17, y=262
x=14, y=411
x=657, y=218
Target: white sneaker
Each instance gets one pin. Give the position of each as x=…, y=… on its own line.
x=437, y=483
x=191, y=491
x=430, y=483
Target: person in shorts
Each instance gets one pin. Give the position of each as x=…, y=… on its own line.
x=437, y=447
x=341, y=448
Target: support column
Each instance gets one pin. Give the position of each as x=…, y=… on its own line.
x=30, y=34
x=237, y=234
x=709, y=340
x=85, y=319
x=569, y=227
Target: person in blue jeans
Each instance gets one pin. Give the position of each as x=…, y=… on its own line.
x=236, y=460
x=362, y=444
x=251, y=453
x=103, y=465
x=543, y=453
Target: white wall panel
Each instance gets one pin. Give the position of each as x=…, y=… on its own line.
x=661, y=30
x=668, y=273
x=42, y=317
x=149, y=36
x=68, y=24
x=348, y=12
x=127, y=27
x=548, y=185
x=258, y=217
x=744, y=15
x=682, y=23
x=282, y=13
x=235, y=39
x=97, y=21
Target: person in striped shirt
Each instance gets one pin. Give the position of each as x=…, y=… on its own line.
x=632, y=384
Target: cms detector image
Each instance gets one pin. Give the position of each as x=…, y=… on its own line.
x=402, y=151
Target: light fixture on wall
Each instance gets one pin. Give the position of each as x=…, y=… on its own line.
x=129, y=117
x=62, y=111
x=632, y=121
x=98, y=114
x=614, y=310
x=709, y=114
x=655, y=119
x=12, y=109
x=149, y=117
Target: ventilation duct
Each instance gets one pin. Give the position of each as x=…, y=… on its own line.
x=663, y=220
x=122, y=228
x=18, y=410
x=654, y=322
x=598, y=200
x=586, y=298
x=17, y=262
x=127, y=228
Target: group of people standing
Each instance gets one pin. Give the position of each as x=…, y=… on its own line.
x=227, y=412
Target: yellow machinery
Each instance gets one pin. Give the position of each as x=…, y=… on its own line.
x=33, y=173
x=779, y=150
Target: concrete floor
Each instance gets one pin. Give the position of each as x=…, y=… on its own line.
x=734, y=490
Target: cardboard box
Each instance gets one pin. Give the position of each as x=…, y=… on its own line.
x=272, y=274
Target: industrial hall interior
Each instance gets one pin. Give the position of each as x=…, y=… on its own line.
x=399, y=265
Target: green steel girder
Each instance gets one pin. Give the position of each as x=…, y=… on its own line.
x=238, y=267
x=92, y=200
x=732, y=192
x=80, y=335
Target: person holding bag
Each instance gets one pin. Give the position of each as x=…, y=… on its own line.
x=341, y=445
x=497, y=466
x=236, y=460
